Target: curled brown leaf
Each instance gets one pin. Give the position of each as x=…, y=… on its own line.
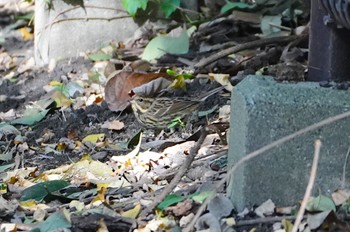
x=118, y=87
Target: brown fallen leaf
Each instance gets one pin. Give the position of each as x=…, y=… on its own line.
x=340, y=196
x=119, y=86
x=152, y=88
x=181, y=208
x=114, y=125
x=6, y=61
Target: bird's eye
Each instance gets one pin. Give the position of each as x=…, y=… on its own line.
x=140, y=100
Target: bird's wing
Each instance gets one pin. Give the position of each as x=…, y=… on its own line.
x=175, y=107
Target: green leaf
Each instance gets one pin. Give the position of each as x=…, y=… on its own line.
x=60, y=87
x=320, y=203
x=170, y=200
x=27, y=17
x=6, y=166
x=207, y=112
x=31, y=117
x=201, y=196
x=39, y=191
x=236, y=6
x=187, y=76
x=34, y=113
x=72, y=88
x=99, y=56
x=169, y=6
x=163, y=44
x=171, y=72
x=3, y=187
x=6, y=156
x=44, y=103
x=131, y=6
x=135, y=140
x=176, y=122
x=267, y=2
x=94, y=77
x=55, y=222
x=172, y=125
x=267, y=24
x=7, y=129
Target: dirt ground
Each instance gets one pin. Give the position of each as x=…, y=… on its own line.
x=72, y=123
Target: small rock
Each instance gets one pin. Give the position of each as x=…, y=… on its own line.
x=185, y=220
x=99, y=155
x=342, y=86
x=265, y=209
x=325, y=84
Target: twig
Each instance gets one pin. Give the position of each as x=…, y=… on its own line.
x=309, y=187
x=89, y=19
x=280, y=27
x=223, y=45
x=56, y=20
x=261, y=151
x=181, y=172
x=186, y=10
x=344, y=168
x=263, y=220
x=196, y=162
x=249, y=45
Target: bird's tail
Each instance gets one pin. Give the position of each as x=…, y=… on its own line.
x=211, y=92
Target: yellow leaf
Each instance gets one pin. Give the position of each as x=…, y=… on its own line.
x=61, y=99
x=79, y=206
x=102, y=226
x=223, y=79
x=55, y=83
x=100, y=196
x=61, y=146
x=179, y=82
x=28, y=204
x=94, y=138
x=132, y=213
x=159, y=213
x=102, y=185
x=230, y=221
x=26, y=35
x=89, y=171
x=288, y=226
x=86, y=157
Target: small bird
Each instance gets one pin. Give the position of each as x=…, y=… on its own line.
x=158, y=112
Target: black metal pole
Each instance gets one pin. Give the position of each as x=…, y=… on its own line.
x=329, y=47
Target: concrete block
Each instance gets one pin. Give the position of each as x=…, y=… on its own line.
x=68, y=28
x=263, y=111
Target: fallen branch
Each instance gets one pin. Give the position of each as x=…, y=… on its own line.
x=264, y=220
x=181, y=172
x=196, y=162
x=249, y=45
x=344, y=169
